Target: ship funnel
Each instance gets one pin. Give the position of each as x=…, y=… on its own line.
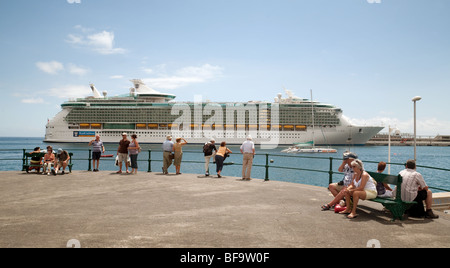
x=142, y=88
x=95, y=92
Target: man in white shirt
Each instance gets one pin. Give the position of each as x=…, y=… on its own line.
x=248, y=150
x=414, y=188
x=167, y=153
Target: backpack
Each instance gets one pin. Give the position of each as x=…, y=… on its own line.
x=207, y=149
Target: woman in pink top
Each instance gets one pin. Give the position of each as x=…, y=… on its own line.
x=49, y=160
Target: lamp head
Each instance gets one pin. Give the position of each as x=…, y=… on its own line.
x=418, y=98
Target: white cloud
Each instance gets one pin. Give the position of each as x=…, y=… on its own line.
x=69, y=91
x=33, y=101
x=148, y=70
x=52, y=67
x=185, y=76
x=74, y=69
x=101, y=42
x=116, y=77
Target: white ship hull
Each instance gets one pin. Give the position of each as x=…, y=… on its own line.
x=58, y=132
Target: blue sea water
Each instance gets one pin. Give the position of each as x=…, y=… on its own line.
x=11, y=152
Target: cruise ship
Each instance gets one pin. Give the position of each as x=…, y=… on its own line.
x=153, y=116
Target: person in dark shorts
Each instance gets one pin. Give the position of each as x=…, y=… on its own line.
x=97, y=150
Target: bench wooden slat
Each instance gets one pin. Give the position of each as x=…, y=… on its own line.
x=396, y=206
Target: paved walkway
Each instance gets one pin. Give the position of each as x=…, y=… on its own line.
x=152, y=210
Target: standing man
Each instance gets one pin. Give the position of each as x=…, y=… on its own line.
x=414, y=188
x=122, y=152
x=97, y=150
x=208, y=149
x=248, y=150
x=167, y=155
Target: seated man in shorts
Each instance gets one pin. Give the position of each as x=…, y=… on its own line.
x=337, y=188
x=62, y=160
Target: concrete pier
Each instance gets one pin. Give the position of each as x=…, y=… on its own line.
x=151, y=210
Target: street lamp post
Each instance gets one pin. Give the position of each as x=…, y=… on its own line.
x=397, y=133
x=415, y=100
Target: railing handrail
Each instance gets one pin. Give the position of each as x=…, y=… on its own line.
x=268, y=164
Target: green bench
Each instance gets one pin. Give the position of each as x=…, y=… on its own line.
x=395, y=205
x=27, y=165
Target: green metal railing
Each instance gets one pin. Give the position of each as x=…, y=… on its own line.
x=267, y=165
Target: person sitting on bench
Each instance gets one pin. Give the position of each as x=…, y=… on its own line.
x=49, y=160
x=62, y=159
x=414, y=188
x=36, y=161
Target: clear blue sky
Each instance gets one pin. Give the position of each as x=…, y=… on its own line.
x=370, y=59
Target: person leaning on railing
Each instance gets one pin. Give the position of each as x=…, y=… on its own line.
x=220, y=157
x=178, y=153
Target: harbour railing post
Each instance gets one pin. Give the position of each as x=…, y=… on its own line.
x=24, y=159
x=267, y=168
x=149, y=161
x=89, y=161
x=331, y=170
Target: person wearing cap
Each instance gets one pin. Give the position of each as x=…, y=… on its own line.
x=248, y=150
x=210, y=150
x=167, y=148
x=122, y=152
x=336, y=189
x=62, y=160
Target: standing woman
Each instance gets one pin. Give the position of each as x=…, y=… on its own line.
x=178, y=150
x=362, y=187
x=220, y=157
x=133, y=150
